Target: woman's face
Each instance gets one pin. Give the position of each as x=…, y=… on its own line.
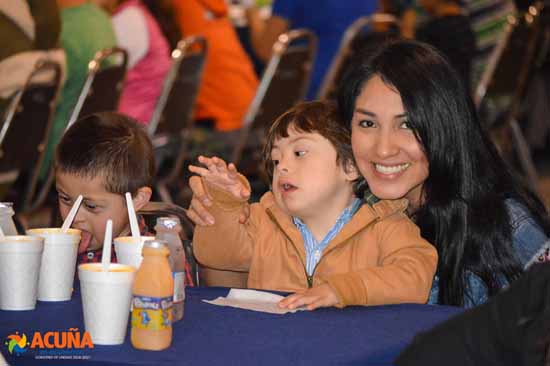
x=387, y=152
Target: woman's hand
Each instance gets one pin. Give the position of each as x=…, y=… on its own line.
x=222, y=176
x=313, y=298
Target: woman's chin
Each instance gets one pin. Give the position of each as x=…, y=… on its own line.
x=386, y=193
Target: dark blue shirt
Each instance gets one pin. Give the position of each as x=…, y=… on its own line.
x=328, y=19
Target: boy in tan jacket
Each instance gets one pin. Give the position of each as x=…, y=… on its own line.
x=310, y=234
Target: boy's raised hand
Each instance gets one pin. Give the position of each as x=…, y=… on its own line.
x=221, y=175
x=312, y=298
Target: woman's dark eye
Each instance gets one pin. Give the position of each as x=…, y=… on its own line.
x=366, y=123
x=275, y=162
x=405, y=125
x=299, y=153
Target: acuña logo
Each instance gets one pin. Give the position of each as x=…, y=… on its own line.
x=17, y=344
x=71, y=339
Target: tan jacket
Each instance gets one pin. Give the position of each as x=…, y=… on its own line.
x=377, y=258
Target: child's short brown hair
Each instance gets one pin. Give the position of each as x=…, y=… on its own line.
x=110, y=145
x=311, y=117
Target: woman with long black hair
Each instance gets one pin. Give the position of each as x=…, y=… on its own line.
x=415, y=134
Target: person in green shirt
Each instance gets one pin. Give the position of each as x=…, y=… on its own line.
x=85, y=29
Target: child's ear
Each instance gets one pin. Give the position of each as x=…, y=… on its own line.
x=351, y=171
x=142, y=197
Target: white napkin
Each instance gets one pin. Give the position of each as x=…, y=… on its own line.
x=252, y=300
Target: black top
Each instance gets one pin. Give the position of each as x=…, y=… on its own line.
x=454, y=37
x=513, y=328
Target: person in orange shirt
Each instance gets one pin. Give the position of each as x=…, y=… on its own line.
x=229, y=81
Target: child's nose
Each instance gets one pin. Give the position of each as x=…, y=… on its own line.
x=282, y=167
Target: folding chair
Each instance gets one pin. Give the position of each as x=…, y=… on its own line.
x=103, y=85
x=522, y=49
x=283, y=84
x=25, y=130
x=101, y=92
x=172, y=120
x=359, y=33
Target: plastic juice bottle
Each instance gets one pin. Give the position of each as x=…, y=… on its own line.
x=169, y=229
x=152, y=299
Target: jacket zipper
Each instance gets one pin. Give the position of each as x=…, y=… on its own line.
x=310, y=277
x=293, y=246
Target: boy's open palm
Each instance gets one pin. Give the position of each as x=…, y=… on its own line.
x=221, y=175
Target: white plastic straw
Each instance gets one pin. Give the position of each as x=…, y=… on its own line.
x=107, y=243
x=70, y=217
x=2, y=233
x=133, y=219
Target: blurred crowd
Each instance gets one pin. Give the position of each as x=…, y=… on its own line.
x=72, y=31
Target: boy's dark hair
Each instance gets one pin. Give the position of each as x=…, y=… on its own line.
x=311, y=117
x=110, y=145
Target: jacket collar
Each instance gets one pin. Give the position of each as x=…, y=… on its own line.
x=365, y=216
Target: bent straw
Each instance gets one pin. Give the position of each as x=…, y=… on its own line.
x=133, y=219
x=70, y=217
x=107, y=241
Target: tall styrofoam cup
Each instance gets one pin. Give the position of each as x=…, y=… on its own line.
x=106, y=298
x=58, y=263
x=128, y=251
x=20, y=258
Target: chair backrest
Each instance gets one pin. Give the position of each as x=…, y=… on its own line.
x=284, y=83
x=359, y=32
x=26, y=126
x=514, y=58
x=103, y=85
x=172, y=121
x=174, y=109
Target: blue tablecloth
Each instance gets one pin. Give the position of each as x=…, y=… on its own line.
x=214, y=335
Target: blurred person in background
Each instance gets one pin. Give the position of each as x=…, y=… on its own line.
x=228, y=83
x=450, y=31
x=163, y=11
x=85, y=30
x=29, y=31
x=328, y=19
x=138, y=32
x=28, y=25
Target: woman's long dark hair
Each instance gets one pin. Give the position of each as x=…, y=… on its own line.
x=464, y=213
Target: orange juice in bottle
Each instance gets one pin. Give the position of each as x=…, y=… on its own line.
x=152, y=299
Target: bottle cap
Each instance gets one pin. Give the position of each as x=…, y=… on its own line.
x=168, y=222
x=155, y=244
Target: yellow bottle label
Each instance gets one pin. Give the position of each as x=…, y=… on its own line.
x=153, y=313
